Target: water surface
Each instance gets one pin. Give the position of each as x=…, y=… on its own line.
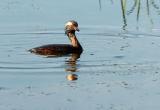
x=118, y=70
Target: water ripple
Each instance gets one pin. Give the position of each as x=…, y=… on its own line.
x=15, y=58
x=90, y=32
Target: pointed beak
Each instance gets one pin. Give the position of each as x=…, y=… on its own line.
x=76, y=29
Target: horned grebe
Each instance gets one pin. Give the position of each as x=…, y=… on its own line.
x=62, y=49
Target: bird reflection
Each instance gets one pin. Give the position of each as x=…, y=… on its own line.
x=71, y=66
x=71, y=63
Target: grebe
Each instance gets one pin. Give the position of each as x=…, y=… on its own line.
x=62, y=49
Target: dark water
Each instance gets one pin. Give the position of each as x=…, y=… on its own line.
x=118, y=70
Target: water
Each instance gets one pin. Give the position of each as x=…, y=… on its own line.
x=118, y=70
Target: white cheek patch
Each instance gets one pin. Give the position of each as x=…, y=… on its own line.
x=68, y=24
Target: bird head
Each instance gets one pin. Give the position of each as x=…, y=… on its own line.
x=71, y=26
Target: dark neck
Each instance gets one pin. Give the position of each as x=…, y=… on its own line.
x=74, y=40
